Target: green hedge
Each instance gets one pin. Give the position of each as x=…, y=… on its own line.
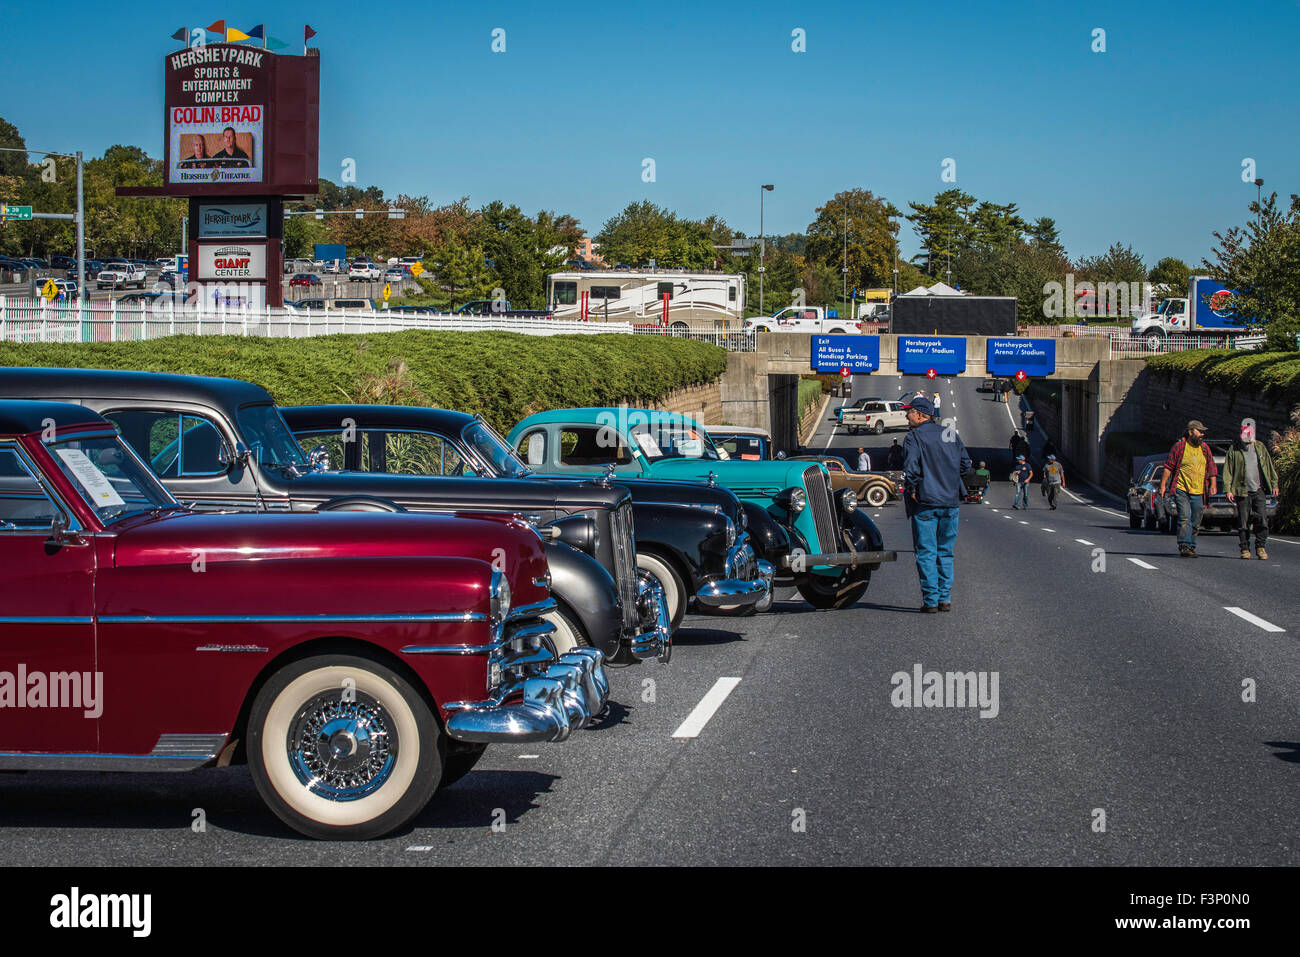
x=504, y=376
x=1273, y=375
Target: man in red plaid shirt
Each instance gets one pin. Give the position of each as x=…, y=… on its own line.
x=1188, y=467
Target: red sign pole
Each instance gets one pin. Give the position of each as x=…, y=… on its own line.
x=665, y=319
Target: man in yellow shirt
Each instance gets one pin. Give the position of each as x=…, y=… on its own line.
x=1190, y=465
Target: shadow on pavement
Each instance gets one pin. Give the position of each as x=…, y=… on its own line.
x=703, y=637
x=1290, y=751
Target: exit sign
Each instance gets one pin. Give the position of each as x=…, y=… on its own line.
x=15, y=212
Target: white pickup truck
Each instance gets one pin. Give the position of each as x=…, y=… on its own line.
x=802, y=319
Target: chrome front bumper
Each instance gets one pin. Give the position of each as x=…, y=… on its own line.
x=656, y=641
x=748, y=581
x=539, y=697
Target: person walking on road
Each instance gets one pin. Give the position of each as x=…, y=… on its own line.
x=1053, y=480
x=864, y=460
x=1191, y=466
x=934, y=461
x=938, y=403
x=1248, y=476
x=894, y=458
x=1022, y=476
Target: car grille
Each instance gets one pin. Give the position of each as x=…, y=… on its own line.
x=817, y=488
x=625, y=563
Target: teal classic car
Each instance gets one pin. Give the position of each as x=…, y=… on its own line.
x=817, y=540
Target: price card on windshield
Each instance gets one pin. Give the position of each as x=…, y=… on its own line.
x=648, y=444
x=90, y=478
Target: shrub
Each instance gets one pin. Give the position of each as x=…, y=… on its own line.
x=504, y=376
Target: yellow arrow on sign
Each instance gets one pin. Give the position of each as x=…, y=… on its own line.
x=388, y=291
x=50, y=291
x=416, y=269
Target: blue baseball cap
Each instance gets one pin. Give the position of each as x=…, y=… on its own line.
x=921, y=404
x=1020, y=458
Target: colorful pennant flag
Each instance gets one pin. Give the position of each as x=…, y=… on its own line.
x=273, y=44
x=307, y=33
x=182, y=34
x=218, y=27
x=256, y=33
x=234, y=36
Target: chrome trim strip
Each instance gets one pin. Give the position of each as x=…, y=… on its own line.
x=44, y=620
x=449, y=649
x=201, y=619
x=536, y=610
x=172, y=752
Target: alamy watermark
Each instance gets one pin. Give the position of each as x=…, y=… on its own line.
x=1116, y=300
x=53, y=689
x=946, y=689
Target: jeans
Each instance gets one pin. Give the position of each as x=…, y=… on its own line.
x=1022, y=494
x=1252, y=509
x=1190, y=508
x=1052, y=492
x=934, y=532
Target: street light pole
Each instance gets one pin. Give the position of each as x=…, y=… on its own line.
x=80, y=216
x=762, y=245
x=845, y=267
x=1259, y=190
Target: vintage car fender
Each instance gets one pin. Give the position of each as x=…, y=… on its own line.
x=589, y=594
x=682, y=534
x=771, y=538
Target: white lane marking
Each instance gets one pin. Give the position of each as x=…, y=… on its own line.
x=1023, y=522
x=1141, y=564
x=995, y=510
x=708, y=706
x=420, y=848
x=1108, y=511
x=1083, y=541
x=1274, y=538
x=1253, y=619
x=529, y=757
x=1049, y=529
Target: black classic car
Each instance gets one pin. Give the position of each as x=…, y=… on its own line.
x=690, y=536
x=221, y=444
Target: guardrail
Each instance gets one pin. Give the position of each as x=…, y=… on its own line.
x=1136, y=347
x=25, y=320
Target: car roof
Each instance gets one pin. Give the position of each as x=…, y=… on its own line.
x=118, y=383
x=737, y=430
x=24, y=416
x=591, y=414
x=374, y=416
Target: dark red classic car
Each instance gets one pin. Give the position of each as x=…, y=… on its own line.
x=356, y=661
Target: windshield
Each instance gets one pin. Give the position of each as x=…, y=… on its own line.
x=668, y=440
x=109, y=478
x=266, y=434
x=491, y=448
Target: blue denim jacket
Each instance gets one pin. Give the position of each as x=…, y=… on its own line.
x=932, y=468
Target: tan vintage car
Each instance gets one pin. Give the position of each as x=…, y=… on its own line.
x=875, y=488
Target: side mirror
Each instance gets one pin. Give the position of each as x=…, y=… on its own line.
x=780, y=455
x=60, y=535
x=242, y=454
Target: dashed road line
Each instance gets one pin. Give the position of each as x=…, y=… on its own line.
x=1023, y=522
x=1141, y=564
x=1253, y=619
x=708, y=706
x=1083, y=541
x=1048, y=529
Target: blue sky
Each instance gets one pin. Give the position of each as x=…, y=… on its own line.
x=1142, y=143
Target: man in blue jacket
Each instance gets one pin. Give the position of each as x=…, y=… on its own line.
x=934, y=460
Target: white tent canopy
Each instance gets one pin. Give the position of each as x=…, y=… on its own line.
x=938, y=289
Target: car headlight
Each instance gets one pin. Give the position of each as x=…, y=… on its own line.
x=847, y=500
x=731, y=532
x=792, y=500
x=498, y=596
x=580, y=531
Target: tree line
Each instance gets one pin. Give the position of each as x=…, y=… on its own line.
x=852, y=243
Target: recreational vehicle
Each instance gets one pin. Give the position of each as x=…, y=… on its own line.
x=696, y=301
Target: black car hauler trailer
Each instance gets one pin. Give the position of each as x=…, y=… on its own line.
x=954, y=315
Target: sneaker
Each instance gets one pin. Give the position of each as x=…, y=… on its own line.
x=945, y=606
x=1261, y=553
x=1184, y=551
x=1245, y=553
x=1191, y=553
x=929, y=609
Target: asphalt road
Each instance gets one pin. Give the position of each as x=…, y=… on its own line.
x=1119, y=693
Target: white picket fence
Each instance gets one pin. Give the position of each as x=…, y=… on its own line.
x=1139, y=347
x=23, y=320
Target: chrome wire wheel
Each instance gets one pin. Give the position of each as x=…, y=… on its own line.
x=343, y=750
x=343, y=747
